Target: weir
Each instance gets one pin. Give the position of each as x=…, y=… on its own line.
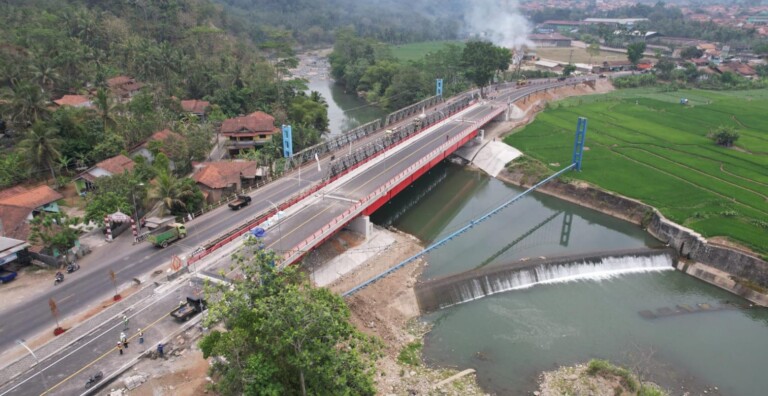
x=475, y=284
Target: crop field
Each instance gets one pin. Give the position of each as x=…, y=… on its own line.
x=577, y=55
x=416, y=51
x=644, y=144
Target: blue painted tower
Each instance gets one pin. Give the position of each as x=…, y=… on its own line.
x=578, y=143
x=287, y=142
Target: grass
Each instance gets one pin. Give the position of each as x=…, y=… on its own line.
x=410, y=355
x=579, y=55
x=643, y=144
x=416, y=51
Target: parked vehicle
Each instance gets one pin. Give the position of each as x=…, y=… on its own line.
x=94, y=379
x=58, y=278
x=190, y=308
x=241, y=202
x=7, y=276
x=72, y=267
x=168, y=234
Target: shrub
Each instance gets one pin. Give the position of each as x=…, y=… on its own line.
x=410, y=354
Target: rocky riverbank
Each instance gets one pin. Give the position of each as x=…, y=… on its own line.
x=597, y=378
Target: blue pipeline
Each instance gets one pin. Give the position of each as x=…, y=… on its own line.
x=456, y=233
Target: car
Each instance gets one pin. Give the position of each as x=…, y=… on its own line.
x=602, y=76
x=561, y=78
x=7, y=276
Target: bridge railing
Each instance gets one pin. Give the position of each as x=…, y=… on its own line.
x=325, y=231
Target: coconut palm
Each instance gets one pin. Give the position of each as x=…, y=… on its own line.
x=40, y=147
x=106, y=107
x=25, y=103
x=170, y=191
x=44, y=74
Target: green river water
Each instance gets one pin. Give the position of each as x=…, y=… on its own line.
x=513, y=336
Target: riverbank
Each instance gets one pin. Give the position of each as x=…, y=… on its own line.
x=597, y=378
x=388, y=310
x=716, y=261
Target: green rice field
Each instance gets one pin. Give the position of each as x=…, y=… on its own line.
x=644, y=144
x=416, y=51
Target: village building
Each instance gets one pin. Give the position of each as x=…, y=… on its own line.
x=619, y=65
x=198, y=108
x=247, y=132
x=220, y=179
x=124, y=87
x=164, y=140
x=550, y=40
x=110, y=166
x=74, y=101
x=19, y=205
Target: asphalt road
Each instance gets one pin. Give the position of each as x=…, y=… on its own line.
x=319, y=210
x=91, y=284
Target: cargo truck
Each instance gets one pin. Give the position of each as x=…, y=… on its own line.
x=188, y=309
x=168, y=234
x=241, y=202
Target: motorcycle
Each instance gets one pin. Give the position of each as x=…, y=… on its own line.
x=59, y=278
x=93, y=379
x=72, y=267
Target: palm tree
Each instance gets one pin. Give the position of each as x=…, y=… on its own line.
x=106, y=107
x=170, y=191
x=318, y=98
x=40, y=146
x=44, y=74
x=26, y=103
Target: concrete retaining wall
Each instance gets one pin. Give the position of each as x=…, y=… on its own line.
x=688, y=243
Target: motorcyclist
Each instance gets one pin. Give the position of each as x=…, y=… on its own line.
x=59, y=276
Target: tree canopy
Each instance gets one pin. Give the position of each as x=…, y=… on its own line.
x=283, y=336
x=635, y=52
x=481, y=61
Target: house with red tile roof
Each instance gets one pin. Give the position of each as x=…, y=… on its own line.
x=247, y=132
x=19, y=205
x=165, y=139
x=124, y=87
x=739, y=68
x=74, y=101
x=219, y=179
x=110, y=166
x=196, y=107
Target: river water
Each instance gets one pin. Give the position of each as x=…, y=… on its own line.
x=513, y=336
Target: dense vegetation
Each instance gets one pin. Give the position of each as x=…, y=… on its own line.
x=646, y=145
x=314, y=23
x=663, y=18
x=368, y=67
x=285, y=337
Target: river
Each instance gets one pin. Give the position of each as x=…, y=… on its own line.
x=511, y=337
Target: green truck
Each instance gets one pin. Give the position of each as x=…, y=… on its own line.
x=163, y=236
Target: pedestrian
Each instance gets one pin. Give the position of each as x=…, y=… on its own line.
x=159, y=350
x=141, y=336
x=125, y=322
x=120, y=347
x=124, y=340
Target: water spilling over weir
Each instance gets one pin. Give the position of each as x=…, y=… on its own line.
x=472, y=285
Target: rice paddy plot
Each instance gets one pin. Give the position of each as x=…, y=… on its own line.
x=642, y=143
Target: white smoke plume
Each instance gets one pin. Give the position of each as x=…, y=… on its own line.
x=498, y=21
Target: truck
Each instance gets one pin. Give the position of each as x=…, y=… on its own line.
x=188, y=309
x=165, y=235
x=521, y=82
x=241, y=202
